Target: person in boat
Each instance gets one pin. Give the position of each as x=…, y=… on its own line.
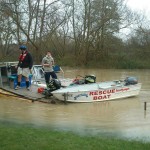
x=48, y=63
x=24, y=66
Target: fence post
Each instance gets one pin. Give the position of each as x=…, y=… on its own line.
x=145, y=105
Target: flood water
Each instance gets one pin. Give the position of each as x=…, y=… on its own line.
x=124, y=118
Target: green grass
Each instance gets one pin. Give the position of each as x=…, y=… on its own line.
x=21, y=137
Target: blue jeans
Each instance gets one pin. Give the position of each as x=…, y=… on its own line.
x=47, y=76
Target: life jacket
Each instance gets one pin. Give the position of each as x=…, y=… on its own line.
x=22, y=56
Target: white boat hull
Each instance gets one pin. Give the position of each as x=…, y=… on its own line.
x=97, y=92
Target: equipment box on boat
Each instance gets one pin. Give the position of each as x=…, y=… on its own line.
x=13, y=81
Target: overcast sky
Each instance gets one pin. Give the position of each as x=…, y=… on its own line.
x=140, y=6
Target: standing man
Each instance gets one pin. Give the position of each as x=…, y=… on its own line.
x=24, y=66
x=47, y=64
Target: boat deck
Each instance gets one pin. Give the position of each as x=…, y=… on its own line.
x=31, y=94
x=8, y=80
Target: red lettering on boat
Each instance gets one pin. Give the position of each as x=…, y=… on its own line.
x=95, y=98
x=91, y=93
x=100, y=92
x=96, y=93
x=101, y=97
x=104, y=92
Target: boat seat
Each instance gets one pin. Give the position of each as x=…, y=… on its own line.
x=12, y=77
x=13, y=80
x=56, y=68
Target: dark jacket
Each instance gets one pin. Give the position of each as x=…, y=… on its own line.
x=27, y=62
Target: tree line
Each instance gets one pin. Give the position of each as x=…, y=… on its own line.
x=77, y=32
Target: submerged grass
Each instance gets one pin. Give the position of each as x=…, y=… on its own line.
x=17, y=137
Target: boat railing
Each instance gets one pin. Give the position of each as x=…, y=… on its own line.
x=38, y=72
x=9, y=68
x=1, y=82
x=6, y=69
x=2, y=64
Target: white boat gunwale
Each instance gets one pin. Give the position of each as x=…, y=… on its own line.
x=131, y=90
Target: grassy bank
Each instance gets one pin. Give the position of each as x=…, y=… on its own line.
x=17, y=137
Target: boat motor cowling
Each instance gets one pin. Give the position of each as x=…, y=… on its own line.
x=131, y=80
x=54, y=84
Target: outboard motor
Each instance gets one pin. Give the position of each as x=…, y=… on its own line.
x=54, y=84
x=131, y=81
x=90, y=79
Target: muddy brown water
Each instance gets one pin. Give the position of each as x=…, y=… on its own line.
x=124, y=118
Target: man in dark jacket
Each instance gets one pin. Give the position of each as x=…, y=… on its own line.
x=24, y=66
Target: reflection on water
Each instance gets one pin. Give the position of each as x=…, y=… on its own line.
x=123, y=118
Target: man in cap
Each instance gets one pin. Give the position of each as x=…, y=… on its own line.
x=24, y=66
